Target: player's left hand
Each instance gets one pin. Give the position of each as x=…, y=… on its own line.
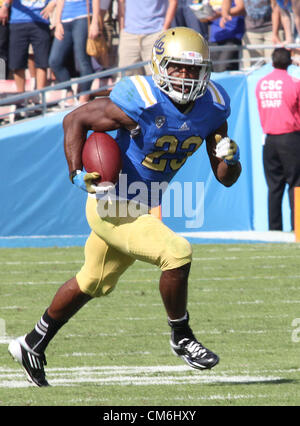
x=227, y=149
x=86, y=181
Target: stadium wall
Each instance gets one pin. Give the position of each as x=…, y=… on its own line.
x=37, y=198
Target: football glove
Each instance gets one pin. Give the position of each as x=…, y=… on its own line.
x=104, y=188
x=227, y=149
x=86, y=181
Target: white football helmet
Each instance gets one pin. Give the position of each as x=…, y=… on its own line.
x=181, y=45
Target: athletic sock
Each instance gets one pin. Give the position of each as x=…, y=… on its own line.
x=45, y=329
x=180, y=329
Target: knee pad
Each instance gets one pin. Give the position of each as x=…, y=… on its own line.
x=95, y=287
x=178, y=252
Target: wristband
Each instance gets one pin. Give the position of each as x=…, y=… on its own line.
x=230, y=162
x=235, y=158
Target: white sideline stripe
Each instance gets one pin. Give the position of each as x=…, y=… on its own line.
x=10, y=307
x=239, y=278
x=116, y=369
x=262, y=277
x=143, y=381
x=219, y=257
x=5, y=340
x=269, y=236
x=50, y=262
x=44, y=271
x=123, y=376
x=248, y=257
x=37, y=237
x=164, y=380
x=266, y=257
x=38, y=283
x=212, y=397
x=259, y=277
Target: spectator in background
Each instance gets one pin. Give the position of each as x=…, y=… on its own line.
x=106, y=20
x=71, y=32
x=109, y=11
x=285, y=11
x=278, y=98
x=4, y=31
x=100, y=64
x=262, y=23
x=185, y=17
x=104, y=7
x=140, y=25
x=230, y=35
x=27, y=26
x=290, y=19
x=296, y=13
x=104, y=10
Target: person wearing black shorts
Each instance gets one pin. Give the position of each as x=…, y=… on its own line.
x=28, y=26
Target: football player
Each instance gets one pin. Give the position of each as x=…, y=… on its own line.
x=160, y=120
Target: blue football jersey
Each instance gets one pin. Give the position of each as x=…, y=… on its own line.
x=164, y=137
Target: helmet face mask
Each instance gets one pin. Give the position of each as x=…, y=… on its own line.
x=181, y=46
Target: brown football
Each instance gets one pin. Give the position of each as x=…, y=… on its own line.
x=102, y=154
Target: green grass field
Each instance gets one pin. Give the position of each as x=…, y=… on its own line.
x=244, y=304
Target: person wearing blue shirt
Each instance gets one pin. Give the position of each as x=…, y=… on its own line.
x=160, y=121
x=71, y=33
x=230, y=35
x=262, y=23
x=28, y=24
x=140, y=25
x=185, y=17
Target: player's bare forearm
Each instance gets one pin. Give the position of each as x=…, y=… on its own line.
x=100, y=115
x=226, y=174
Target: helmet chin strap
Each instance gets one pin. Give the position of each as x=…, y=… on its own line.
x=178, y=97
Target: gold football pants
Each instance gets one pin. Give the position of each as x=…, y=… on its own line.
x=118, y=240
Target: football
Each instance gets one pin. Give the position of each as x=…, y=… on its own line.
x=102, y=154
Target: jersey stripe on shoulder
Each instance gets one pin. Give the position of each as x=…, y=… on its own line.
x=215, y=93
x=144, y=89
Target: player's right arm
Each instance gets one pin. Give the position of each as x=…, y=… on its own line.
x=100, y=115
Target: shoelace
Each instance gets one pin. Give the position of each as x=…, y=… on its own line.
x=194, y=348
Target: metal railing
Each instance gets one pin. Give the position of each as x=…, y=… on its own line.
x=36, y=102
x=32, y=103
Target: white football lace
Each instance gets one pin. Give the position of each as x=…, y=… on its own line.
x=194, y=348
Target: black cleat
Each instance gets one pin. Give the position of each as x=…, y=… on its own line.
x=32, y=362
x=185, y=345
x=194, y=353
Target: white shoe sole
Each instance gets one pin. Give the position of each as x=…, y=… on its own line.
x=14, y=349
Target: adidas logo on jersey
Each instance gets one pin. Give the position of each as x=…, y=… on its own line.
x=184, y=127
